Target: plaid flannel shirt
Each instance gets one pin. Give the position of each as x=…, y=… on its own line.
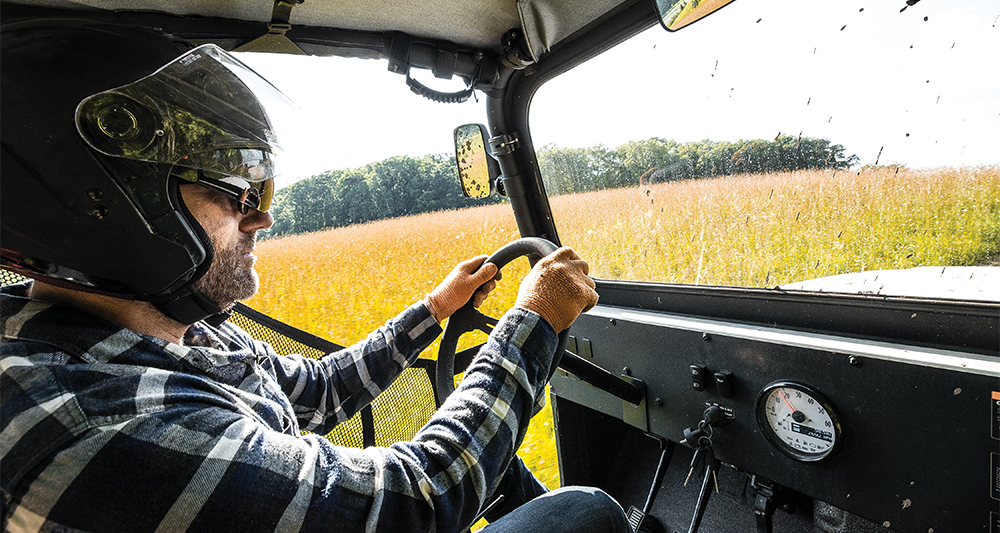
x=105, y=429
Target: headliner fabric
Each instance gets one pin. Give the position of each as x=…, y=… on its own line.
x=476, y=24
x=473, y=23
x=547, y=22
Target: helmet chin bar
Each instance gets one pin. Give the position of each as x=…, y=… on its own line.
x=190, y=306
x=186, y=306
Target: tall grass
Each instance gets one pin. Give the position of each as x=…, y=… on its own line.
x=757, y=230
x=342, y=283
x=765, y=230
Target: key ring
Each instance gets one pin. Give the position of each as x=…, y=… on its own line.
x=703, y=426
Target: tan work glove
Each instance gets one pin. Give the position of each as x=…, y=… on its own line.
x=558, y=288
x=466, y=281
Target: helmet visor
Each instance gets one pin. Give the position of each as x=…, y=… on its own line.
x=204, y=110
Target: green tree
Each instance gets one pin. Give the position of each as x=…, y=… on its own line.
x=404, y=185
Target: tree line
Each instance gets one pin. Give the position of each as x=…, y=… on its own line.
x=394, y=187
x=654, y=160
x=404, y=185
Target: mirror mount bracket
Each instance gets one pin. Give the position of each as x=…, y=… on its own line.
x=502, y=147
x=503, y=144
x=499, y=187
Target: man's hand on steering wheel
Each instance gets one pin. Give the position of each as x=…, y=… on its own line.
x=466, y=281
x=558, y=288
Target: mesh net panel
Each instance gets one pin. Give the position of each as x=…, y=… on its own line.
x=395, y=415
x=282, y=344
x=350, y=433
x=7, y=277
x=403, y=408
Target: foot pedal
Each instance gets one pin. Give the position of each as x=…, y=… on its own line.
x=641, y=523
x=635, y=517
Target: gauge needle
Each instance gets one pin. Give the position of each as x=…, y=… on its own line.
x=797, y=415
x=794, y=410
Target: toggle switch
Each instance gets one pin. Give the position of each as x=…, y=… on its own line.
x=698, y=373
x=724, y=380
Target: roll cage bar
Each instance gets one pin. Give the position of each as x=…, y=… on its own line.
x=508, y=112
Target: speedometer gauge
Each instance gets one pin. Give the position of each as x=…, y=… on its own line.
x=798, y=420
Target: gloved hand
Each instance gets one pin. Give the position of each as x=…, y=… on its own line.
x=558, y=288
x=466, y=281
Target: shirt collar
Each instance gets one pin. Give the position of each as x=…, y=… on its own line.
x=92, y=339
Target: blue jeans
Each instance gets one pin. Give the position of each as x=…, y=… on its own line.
x=565, y=510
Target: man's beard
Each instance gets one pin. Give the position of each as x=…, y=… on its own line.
x=230, y=278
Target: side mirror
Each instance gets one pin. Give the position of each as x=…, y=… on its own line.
x=675, y=14
x=477, y=169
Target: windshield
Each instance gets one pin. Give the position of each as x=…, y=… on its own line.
x=778, y=142
x=368, y=216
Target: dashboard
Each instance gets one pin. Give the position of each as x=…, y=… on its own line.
x=904, y=436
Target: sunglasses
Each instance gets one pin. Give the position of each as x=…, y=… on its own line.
x=248, y=194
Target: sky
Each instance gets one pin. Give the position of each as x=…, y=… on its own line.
x=351, y=112
x=919, y=86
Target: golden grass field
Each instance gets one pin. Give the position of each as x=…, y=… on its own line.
x=757, y=230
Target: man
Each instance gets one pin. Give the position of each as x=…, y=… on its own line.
x=134, y=184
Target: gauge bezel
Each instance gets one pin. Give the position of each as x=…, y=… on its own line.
x=777, y=442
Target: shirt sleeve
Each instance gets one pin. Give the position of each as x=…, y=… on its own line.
x=440, y=479
x=194, y=457
x=330, y=390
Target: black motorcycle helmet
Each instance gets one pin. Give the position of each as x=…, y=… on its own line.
x=100, y=122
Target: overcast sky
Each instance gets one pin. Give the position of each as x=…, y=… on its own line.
x=923, y=92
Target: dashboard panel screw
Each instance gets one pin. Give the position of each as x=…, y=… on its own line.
x=706, y=336
x=854, y=360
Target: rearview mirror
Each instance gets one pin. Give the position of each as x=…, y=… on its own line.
x=675, y=14
x=477, y=169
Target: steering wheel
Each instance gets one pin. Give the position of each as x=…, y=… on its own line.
x=468, y=318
